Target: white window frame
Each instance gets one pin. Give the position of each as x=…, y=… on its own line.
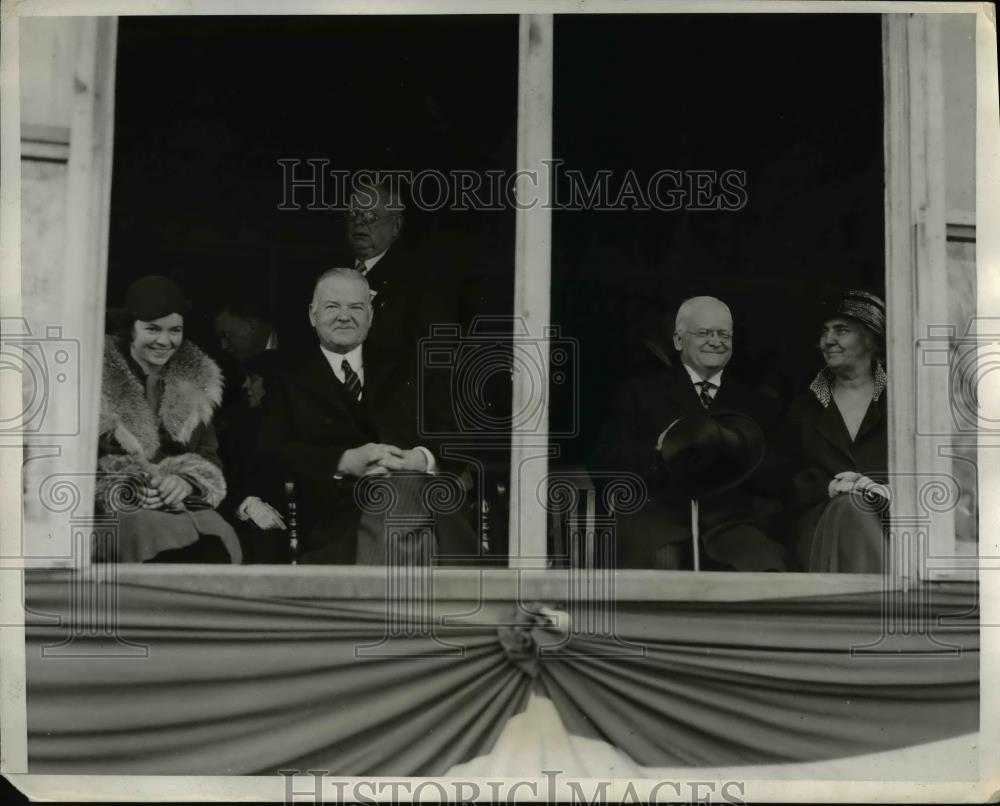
x=915, y=234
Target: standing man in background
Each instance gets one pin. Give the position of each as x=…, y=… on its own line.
x=410, y=293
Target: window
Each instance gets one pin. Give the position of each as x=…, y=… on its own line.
x=178, y=228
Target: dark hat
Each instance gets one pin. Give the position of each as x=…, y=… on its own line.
x=152, y=297
x=863, y=306
x=710, y=453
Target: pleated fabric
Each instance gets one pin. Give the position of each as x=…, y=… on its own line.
x=200, y=683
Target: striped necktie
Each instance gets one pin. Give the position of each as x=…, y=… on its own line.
x=351, y=380
x=706, y=398
x=361, y=267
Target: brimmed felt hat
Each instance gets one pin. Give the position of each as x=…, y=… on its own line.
x=709, y=453
x=864, y=306
x=149, y=298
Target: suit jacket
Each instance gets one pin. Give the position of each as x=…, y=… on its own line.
x=411, y=295
x=310, y=419
x=645, y=407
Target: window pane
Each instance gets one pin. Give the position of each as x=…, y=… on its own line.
x=742, y=159
x=958, y=64
x=236, y=142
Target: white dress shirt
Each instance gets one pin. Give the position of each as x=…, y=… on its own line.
x=354, y=358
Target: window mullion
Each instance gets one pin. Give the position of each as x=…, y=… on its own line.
x=532, y=269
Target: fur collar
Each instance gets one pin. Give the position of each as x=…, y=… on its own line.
x=192, y=388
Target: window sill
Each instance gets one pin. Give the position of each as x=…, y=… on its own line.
x=370, y=582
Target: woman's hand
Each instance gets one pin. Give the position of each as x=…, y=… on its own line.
x=842, y=483
x=263, y=515
x=167, y=492
x=867, y=487
x=848, y=481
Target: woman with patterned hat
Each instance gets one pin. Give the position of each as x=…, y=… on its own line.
x=158, y=465
x=839, y=427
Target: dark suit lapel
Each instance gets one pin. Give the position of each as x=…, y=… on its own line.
x=378, y=369
x=681, y=391
x=831, y=427
x=317, y=377
x=727, y=396
x=871, y=422
x=383, y=278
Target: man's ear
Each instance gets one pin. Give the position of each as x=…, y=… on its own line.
x=677, y=340
x=312, y=315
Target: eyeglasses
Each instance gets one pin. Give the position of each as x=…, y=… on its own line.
x=705, y=334
x=366, y=216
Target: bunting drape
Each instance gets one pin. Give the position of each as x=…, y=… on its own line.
x=199, y=683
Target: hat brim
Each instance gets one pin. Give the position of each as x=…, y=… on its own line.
x=729, y=470
x=119, y=317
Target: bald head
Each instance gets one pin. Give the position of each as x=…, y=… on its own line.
x=703, y=335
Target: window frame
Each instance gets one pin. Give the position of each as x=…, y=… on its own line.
x=915, y=268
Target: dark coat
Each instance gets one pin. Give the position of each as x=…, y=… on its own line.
x=411, y=295
x=310, y=419
x=239, y=429
x=825, y=448
x=645, y=407
x=239, y=440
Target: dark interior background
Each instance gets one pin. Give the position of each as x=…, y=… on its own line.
x=793, y=100
x=206, y=106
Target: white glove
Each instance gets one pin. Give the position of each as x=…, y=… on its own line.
x=263, y=515
x=848, y=481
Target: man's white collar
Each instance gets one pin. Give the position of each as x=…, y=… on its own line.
x=336, y=359
x=696, y=378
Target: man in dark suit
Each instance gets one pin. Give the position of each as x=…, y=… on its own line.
x=349, y=411
x=410, y=293
x=659, y=534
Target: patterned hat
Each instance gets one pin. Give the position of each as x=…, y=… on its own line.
x=863, y=306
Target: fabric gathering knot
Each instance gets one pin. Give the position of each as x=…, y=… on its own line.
x=519, y=640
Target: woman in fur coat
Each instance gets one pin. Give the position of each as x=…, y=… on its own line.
x=158, y=463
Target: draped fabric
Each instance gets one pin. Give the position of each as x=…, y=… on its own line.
x=199, y=683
